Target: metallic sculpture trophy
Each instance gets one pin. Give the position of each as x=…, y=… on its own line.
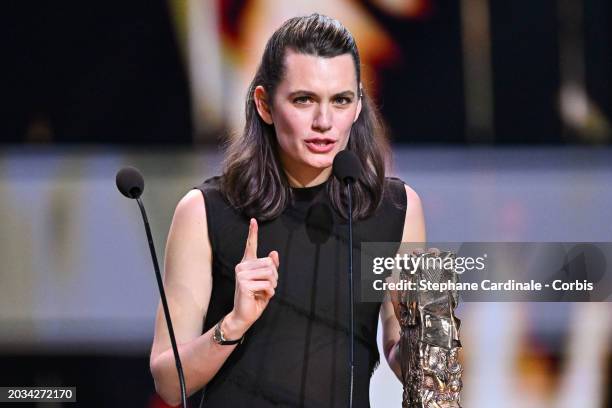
x=429, y=344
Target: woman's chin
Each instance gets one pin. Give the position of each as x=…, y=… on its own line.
x=321, y=164
x=320, y=161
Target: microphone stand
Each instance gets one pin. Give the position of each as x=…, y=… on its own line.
x=162, y=293
x=351, y=300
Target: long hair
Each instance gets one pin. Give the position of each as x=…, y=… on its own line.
x=253, y=179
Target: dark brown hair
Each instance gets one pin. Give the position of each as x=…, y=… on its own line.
x=253, y=179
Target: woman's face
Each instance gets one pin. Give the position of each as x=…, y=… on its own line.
x=312, y=111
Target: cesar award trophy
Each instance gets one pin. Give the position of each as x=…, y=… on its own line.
x=429, y=344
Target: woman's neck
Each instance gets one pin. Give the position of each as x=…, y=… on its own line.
x=308, y=180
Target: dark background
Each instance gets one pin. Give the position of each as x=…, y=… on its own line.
x=111, y=73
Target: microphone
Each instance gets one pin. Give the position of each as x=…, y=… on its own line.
x=131, y=184
x=347, y=168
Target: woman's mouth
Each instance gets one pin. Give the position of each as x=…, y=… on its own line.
x=320, y=145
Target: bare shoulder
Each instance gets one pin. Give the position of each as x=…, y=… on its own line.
x=191, y=206
x=189, y=228
x=188, y=255
x=411, y=195
x=414, y=223
x=188, y=243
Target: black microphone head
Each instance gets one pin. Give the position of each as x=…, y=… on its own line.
x=347, y=167
x=130, y=182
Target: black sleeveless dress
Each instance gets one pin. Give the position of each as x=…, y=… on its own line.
x=296, y=353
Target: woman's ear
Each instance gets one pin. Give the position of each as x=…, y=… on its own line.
x=261, y=102
x=360, y=97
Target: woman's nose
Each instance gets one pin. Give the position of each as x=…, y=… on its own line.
x=323, y=118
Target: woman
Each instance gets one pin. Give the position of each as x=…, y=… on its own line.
x=256, y=259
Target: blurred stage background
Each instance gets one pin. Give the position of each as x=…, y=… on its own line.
x=499, y=112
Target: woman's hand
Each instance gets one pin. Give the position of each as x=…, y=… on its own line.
x=256, y=279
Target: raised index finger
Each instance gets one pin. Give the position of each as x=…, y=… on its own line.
x=250, y=250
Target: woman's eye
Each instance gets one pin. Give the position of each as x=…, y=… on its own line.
x=302, y=99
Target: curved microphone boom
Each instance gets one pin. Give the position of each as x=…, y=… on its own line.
x=347, y=168
x=131, y=184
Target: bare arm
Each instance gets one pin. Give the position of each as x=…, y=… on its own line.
x=414, y=231
x=188, y=284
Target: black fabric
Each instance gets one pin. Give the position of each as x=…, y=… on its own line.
x=296, y=353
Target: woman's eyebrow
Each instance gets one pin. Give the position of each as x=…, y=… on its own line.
x=301, y=92
x=346, y=93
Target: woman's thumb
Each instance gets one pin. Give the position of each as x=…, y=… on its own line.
x=274, y=256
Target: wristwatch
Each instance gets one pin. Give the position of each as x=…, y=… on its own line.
x=219, y=338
